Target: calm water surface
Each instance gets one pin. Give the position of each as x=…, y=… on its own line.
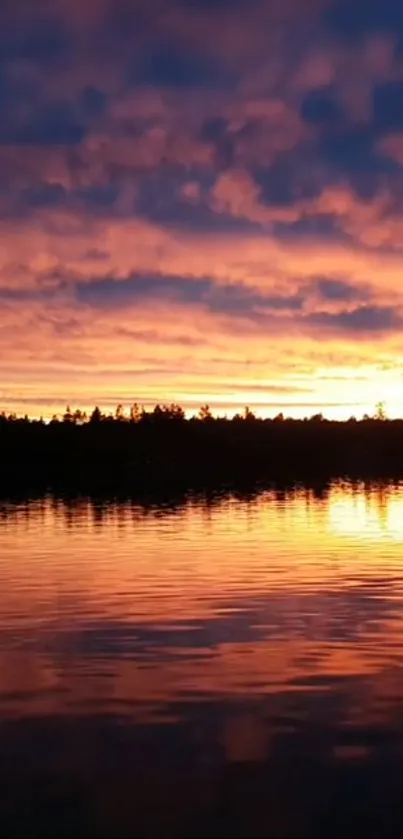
x=230, y=667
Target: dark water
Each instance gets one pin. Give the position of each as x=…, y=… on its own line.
x=228, y=668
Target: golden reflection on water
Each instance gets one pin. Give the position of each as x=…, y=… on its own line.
x=376, y=514
x=120, y=607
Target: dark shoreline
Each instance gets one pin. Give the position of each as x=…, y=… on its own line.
x=163, y=455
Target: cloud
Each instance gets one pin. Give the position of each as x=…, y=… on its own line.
x=338, y=290
x=364, y=319
x=211, y=186
x=320, y=106
x=235, y=300
x=351, y=20
x=53, y=124
x=392, y=146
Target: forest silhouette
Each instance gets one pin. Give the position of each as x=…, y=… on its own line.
x=160, y=448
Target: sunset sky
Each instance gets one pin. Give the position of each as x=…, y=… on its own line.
x=201, y=201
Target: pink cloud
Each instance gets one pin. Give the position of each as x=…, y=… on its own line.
x=392, y=146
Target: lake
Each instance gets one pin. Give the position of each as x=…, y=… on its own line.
x=225, y=666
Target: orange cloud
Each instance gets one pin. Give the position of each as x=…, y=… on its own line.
x=67, y=348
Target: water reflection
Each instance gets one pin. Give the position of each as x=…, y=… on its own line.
x=225, y=665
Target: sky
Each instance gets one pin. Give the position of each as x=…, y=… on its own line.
x=201, y=201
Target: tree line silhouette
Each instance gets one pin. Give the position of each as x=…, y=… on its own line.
x=160, y=447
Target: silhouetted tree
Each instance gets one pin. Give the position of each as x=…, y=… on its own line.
x=68, y=416
x=79, y=417
x=119, y=413
x=380, y=411
x=174, y=412
x=205, y=413
x=135, y=413
x=96, y=416
x=248, y=415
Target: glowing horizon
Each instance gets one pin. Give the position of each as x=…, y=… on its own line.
x=333, y=412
